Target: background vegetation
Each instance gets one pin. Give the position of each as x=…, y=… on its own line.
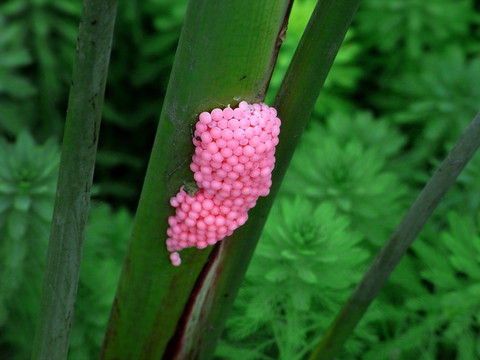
x=402, y=89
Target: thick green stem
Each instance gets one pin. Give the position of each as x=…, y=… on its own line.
x=214, y=296
x=398, y=243
x=225, y=54
x=75, y=179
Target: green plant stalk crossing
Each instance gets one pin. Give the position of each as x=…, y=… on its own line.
x=294, y=102
x=225, y=54
x=75, y=179
x=398, y=243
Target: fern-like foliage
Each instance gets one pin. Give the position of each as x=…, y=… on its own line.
x=46, y=32
x=28, y=174
x=397, y=35
x=305, y=265
x=411, y=27
x=442, y=321
x=16, y=90
x=345, y=162
x=438, y=99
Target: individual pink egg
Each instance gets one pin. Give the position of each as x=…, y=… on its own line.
x=238, y=113
x=232, y=160
x=221, y=173
x=244, y=123
x=212, y=148
x=211, y=241
x=239, y=134
x=205, y=117
x=206, y=137
x=202, y=244
x=226, y=152
x=248, y=150
x=206, y=156
x=253, y=121
x=233, y=124
x=217, y=157
x=216, y=185
x=196, y=207
x=222, y=124
x=244, y=105
x=228, y=113
x=238, y=151
x=198, y=177
x=232, y=144
x=190, y=222
x=242, y=159
x=217, y=114
x=209, y=220
x=175, y=259
x=227, y=167
x=200, y=127
x=216, y=133
x=208, y=204
x=215, y=164
x=221, y=143
x=233, y=175
x=260, y=149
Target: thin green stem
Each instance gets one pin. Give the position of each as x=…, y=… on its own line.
x=398, y=243
x=75, y=179
x=307, y=73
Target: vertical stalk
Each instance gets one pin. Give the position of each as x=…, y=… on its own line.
x=209, y=308
x=226, y=54
x=398, y=243
x=308, y=70
x=75, y=179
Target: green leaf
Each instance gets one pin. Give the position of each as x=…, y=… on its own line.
x=16, y=225
x=22, y=203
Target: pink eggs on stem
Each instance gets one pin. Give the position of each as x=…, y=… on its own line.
x=232, y=165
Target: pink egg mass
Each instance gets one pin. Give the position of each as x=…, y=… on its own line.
x=232, y=165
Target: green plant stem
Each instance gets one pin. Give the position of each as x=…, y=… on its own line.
x=209, y=308
x=226, y=53
x=307, y=72
x=75, y=179
x=398, y=243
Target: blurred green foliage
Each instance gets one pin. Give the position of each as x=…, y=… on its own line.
x=345, y=162
x=28, y=174
x=402, y=89
x=37, y=47
x=304, y=268
x=27, y=188
x=41, y=53
x=409, y=28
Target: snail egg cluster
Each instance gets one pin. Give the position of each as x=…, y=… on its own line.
x=232, y=165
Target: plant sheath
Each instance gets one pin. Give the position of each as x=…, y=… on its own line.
x=398, y=243
x=75, y=179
